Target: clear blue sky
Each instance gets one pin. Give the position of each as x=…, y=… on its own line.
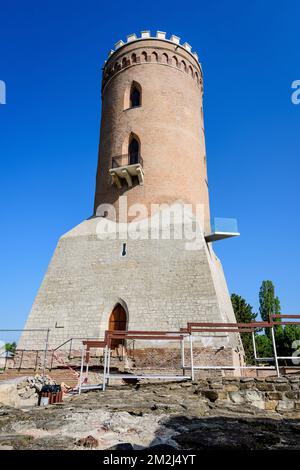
x=51, y=57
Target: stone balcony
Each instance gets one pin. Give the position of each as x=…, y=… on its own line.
x=125, y=171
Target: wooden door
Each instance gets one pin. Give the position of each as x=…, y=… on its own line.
x=117, y=322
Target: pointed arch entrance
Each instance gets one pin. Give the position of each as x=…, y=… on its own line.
x=117, y=322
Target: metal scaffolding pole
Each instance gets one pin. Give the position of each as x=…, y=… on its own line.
x=182, y=356
x=81, y=369
x=192, y=358
x=275, y=351
x=104, y=368
x=45, y=355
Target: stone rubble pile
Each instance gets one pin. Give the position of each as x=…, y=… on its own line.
x=22, y=391
x=33, y=385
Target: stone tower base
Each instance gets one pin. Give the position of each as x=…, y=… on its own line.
x=161, y=283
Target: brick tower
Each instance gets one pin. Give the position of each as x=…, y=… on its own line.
x=151, y=153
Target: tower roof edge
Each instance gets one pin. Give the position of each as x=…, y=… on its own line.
x=160, y=36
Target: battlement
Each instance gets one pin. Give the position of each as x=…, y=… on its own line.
x=160, y=35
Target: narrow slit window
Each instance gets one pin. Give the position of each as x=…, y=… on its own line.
x=133, y=151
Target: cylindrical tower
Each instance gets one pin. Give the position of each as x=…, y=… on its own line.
x=152, y=145
x=152, y=150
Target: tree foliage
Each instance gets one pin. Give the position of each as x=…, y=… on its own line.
x=285, y=336
x=269, y=304
x=244, y=314
x=11, y=347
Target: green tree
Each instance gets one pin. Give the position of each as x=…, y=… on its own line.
x=264, y=346
x=285, y=338
x=268, y=303
x=244, y=314
x=10, y=347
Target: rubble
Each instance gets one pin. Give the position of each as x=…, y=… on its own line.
x=23, y=391
x=159, y=414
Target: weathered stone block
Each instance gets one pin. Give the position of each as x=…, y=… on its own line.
x=255, y=398
x=237, y=397
x=282, y=387
x=294, y=380
x=265, y=386
x=291, y=395
x=285, y=405
x=270, y=405
x=230, y=380
x=277, y=379
x=222, y=395
x=231, y=387
x=216, y=385
x=274, y=395
x=247, y=386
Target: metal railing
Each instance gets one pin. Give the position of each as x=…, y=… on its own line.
x=41, y=337
x=125, y=159
x=71, y=342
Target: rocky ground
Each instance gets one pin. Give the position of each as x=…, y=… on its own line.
x=139, y=416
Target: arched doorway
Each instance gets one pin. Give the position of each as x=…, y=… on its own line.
x=117, y=322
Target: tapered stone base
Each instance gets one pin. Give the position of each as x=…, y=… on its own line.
x=161, y=283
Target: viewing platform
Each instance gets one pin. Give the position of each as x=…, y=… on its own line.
x=222, y=228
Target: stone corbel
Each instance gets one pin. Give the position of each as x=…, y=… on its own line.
x=116, y=180
x=127, y=177
x=140, y=176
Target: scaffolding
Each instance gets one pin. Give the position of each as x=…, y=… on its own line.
x=237, y=328
x=105, y=345
x=185, y=335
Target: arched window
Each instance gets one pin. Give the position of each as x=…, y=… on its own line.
x=135, y=95
x=191, y=71
x=133, y=58
x=175, y=61
x=183, y=66
x=164, y=58
x=154, y=57
x=133, y=150
x=117, y=67
x=144, y=56
x=124, y=62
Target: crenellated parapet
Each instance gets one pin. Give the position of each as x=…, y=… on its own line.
x=148, y=49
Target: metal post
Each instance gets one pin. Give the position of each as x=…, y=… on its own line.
x=81, y=369
x=87, y=371
x=192, y=358
x=45, y=355
x=70, y=349
x=36, y=361
x=104, y=368
x=182, y=355
x=6, y=356
x=52, y=357
x=275, y=351
x=108, y=365
x=21, y=360
x=254, y=345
